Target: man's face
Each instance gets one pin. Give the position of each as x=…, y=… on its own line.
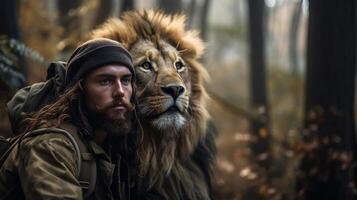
x=108, y=91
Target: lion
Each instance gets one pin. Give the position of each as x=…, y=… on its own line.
x=176, y=150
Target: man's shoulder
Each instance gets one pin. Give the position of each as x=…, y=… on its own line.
x=43, y=141
x=55, y=137
x=52, y=145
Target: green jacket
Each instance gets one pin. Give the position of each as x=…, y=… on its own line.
x=45, y=167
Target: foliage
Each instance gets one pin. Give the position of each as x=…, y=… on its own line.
x=12, y=52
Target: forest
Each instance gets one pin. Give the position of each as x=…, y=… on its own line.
x=282, y=83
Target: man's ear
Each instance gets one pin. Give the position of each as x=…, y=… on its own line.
x=80, y=84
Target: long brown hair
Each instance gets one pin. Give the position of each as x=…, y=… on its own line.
x=53, y=114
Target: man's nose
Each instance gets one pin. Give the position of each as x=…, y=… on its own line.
x=118, y=90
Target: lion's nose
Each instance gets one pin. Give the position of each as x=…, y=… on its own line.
x=173, y=90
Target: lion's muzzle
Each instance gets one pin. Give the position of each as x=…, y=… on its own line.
x=173, y=90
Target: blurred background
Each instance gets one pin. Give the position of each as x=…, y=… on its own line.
x=282, y=83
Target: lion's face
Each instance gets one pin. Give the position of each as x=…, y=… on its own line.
x=163, y=84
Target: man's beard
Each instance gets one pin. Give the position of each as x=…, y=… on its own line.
x=114, y=127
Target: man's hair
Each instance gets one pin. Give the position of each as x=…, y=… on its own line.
x=56, y=113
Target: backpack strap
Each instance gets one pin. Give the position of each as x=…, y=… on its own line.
x=88, y=171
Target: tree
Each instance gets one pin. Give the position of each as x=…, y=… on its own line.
x=69, y=19
x=127, y=5
x=64, y=7
x=259, y=100
x=112, y=8
x=326, y=168
x=191, y=12
x=104, y=10
x=293, y=36
x=9, y=29
x=204, y=18
x=171, y=6
x=10, y=58
x=8, y=22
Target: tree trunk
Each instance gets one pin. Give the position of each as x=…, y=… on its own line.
x=204, y=19
x=191, y=14
x=293, y=35
x=64, y=6
x=8, y=23
x=9, y=27
x=170, y=6
x=127, y=5
x=326, y=168
x=104, y=11
x=10, y=79
x=259, y=101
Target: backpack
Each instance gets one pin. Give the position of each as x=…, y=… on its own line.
x=32, y=98
x=87, y=173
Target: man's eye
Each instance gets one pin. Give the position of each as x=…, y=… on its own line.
x=146, y=66
x=126, y=81
x=104, y=82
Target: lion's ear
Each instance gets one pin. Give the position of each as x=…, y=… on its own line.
x=191, y=45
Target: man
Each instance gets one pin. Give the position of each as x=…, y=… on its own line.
x=93, y=118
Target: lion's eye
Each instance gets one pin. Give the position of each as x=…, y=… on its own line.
x=179, y=66
x=146, y=66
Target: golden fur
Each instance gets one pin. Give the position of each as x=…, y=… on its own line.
x=169, y=139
